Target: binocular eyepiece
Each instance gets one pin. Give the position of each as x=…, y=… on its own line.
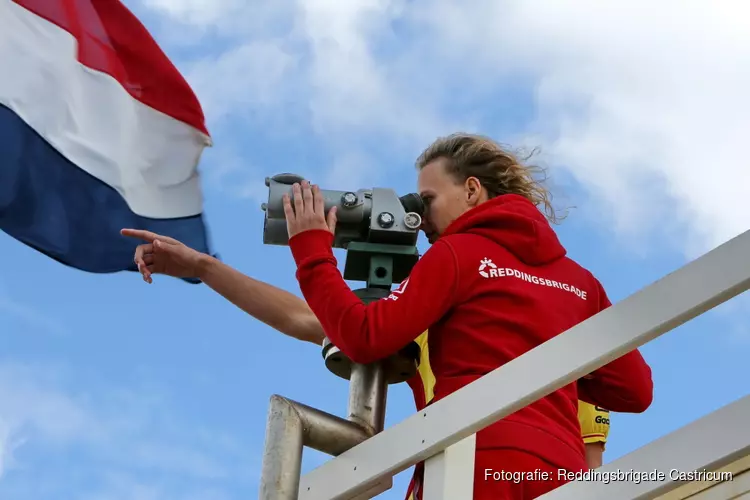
x=375, y=215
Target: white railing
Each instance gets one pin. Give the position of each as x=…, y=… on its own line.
x=442, y=434
x=710, y=443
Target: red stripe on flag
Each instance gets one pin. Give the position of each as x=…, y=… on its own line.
x=112, y=40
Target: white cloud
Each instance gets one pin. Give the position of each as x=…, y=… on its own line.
x=203, y=12
x=252, y=76
x=644, y=104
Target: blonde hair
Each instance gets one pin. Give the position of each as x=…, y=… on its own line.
x=499, y=171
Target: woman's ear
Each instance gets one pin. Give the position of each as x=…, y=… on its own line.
x=473, y=191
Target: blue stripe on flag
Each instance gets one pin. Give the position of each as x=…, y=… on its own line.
x=53, y=206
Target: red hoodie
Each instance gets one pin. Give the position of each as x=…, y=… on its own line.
x=495, y=285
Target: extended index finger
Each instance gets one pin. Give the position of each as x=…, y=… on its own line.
x=141, y=234
x=148, y=236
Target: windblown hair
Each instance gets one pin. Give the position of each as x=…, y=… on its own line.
x=500, y=171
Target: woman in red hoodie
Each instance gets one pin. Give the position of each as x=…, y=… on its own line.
x=495, y=284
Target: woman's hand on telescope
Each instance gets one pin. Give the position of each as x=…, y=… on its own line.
x=307, y=210
x=164, y=255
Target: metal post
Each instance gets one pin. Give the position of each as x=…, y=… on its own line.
x=367, y=397
x=282, y=457
x=368, y=390
x=292, y=426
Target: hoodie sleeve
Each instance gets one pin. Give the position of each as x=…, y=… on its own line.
x=367, y=333
x=623, y=385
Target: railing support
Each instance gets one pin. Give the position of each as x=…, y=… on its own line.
x=450, y=474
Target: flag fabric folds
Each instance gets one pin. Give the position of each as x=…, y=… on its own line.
x=98, y=131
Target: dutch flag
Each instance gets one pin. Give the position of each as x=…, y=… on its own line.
x=98, y=131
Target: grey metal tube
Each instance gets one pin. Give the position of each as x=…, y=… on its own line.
x=282, y=456
x=328, y=433
x=368, y=389
x=291, y=426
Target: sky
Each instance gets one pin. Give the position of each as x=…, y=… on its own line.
x=111, y=389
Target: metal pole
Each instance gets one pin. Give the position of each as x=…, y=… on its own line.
x=282, y=457
x=368, y=390
x=291, y=426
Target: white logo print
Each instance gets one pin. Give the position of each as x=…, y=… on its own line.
x=488, y=269
x=484, y=264
x=395, y=294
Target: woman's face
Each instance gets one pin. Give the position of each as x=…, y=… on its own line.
x=445, y=199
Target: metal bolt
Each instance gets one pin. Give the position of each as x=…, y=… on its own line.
x=386, y=219
x=412, y=220
x=348, y=200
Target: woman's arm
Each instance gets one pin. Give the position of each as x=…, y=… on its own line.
x=368, y=333
x=273, y=306
x=623, y=385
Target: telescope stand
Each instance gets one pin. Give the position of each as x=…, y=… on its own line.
x=292, y=425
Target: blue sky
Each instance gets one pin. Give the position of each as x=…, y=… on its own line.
x=112, y=389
